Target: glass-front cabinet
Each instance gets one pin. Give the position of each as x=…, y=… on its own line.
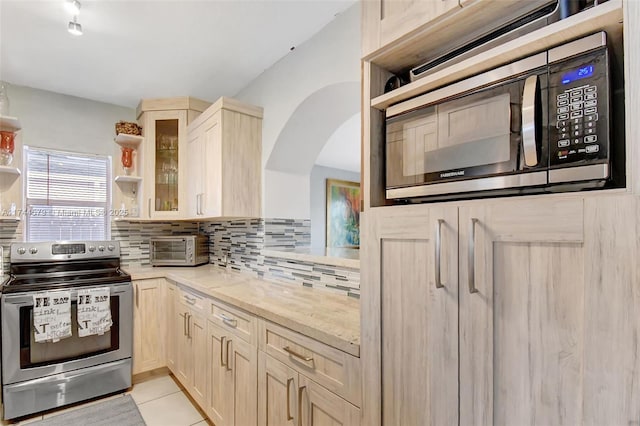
x=164, y=138
x=164, y=127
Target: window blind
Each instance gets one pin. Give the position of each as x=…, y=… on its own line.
x=67, y=195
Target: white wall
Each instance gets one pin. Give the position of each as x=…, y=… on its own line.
x=318, y=189
x=55, y=121
x=331, y=57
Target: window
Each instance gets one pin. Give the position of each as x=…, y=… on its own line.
x=67, y=195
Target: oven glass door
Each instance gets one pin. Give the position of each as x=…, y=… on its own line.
x=169, y=251
x=36, y=354
x=476, y=135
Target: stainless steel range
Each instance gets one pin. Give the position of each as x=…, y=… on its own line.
x=38, y=376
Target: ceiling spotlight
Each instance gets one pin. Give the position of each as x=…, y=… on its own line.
x=72, y=6
x=74, y=28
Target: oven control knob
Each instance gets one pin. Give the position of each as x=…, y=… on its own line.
x=92, y=248
x=111, y=247
x=101, y=248
x=33, y=250
x=22, y=250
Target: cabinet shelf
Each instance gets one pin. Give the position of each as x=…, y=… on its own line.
x=128, y=141
x=10, y=124
x=607, y=16
x=10, y=170
x=128, y=179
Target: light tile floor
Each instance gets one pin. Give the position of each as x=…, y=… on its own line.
x=160, y=401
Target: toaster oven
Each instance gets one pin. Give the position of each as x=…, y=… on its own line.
x=179, y=250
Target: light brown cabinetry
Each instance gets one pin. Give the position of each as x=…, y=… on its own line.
x=164, y=150
x=233, y=377
x=528, y=275
x=170, y=321
x=305, y=381
x=148, y=341
x=225, y=158
x=191, y=343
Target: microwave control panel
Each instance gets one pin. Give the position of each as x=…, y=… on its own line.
x=579, y=110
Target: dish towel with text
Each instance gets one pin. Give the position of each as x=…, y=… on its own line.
x=94, y=311
x=51, y=316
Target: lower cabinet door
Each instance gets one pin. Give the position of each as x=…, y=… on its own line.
x=197, y=332
x=219, y=406
x=320, y=407
x=277, y=393
x=148, y=352
x=171, y=326
x=183, y=363
x=243, y=363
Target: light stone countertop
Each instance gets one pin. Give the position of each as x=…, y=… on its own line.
x=343, y=257
x=330, y=318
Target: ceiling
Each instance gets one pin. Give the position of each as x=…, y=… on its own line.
x=153, y=48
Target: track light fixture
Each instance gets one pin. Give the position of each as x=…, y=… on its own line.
x=73, y=7
x=74, y=28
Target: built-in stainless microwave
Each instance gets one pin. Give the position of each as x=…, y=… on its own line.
x=542, y=123
x=179, y=250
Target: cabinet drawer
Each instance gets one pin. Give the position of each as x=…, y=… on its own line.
x=196, y=302
x=240, y=323
x=337, y=371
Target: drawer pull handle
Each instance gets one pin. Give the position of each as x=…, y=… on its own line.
x=231, y=322
x=228, y=366
x=289, y=416
x=222, y=351
x=300, y=390
x=297, y=355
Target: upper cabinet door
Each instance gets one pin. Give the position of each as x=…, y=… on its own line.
x=165, y=134
x=522, y=312
x=211, y=196
x=410, y=316
x=385, y=21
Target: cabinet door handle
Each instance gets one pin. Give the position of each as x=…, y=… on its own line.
x=289, y=416
x=184, y=324
x=300, y=390
x=472, y=257
x=222, y=351
x=197, y=204
x=189, y=326
x=231, y=322
x=137, y=296
x=228, y=366
x=439, y=283
x=290, y=351
x=149, y=208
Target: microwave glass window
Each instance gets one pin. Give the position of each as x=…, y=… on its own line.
x=467, y=132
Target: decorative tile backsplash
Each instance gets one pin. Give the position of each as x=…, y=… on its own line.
x=9, y=233
x=234, y=244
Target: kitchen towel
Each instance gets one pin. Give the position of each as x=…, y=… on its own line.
x=94, y=311
x=51, y=316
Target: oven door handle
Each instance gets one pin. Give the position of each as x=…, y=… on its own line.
x=529, y=121
x=70, y=374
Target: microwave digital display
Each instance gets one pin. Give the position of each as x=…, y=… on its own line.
x=582, y=72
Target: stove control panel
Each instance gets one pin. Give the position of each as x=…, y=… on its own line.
x=63, y=250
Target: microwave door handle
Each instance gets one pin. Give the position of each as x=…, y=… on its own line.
x=529, y=121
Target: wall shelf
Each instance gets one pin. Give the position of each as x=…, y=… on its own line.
x=128, y=179
x=607, y=16
x=10, y=170
x=10, y=124
x=128, y=141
